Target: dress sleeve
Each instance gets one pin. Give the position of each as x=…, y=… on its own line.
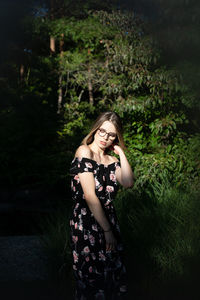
x=118, y=165
x=80, y=165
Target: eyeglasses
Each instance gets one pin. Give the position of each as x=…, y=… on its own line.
x=103, y=132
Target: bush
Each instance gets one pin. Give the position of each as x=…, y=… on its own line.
x=161, y=230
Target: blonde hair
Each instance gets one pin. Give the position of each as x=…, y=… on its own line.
x=112, y=117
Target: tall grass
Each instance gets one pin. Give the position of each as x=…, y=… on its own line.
x=55, y=242
x=160, y=228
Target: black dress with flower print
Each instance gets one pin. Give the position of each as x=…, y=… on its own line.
x=99, y=274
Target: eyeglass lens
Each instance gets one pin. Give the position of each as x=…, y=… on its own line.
x=103, y=132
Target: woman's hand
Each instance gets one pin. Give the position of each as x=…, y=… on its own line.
x=117, y=149
x=124, y=174
x=111, y=242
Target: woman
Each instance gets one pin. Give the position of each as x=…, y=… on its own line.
x=95, y=235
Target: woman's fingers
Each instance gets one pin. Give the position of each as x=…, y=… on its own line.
x=111, y=242
x=110, y=247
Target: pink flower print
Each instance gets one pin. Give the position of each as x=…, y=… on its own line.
x=118, y=263
x=99, y=295
x=117, y=227
x=95, y=171
x=86, y=249
x=91, y=239
x=85, y=236
x=107, y=202
x=94, y=227
x=97, y=182
x=86, y=169
x=90, y=269
x=112, y=177
x=75, y=238
x=109, y=188
x=100, y=189
x=79, y=165
x=76, y=177
x=104, y=178
x=112, y=220
x=80, y=227
x=76, y=225
x=80, y=273
x=88, y=165
x=123, y=288
x=87, y=258
x=74, y=189
x=93, y=256
x=83, y=211
x=74, y=267
x=102, y=256
x=77, y=205
x=75, y=256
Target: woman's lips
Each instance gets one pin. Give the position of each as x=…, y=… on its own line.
x=103, y=143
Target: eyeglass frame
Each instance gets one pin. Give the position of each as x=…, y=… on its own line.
x=108, y=133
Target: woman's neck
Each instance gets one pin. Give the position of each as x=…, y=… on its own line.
x=100, y=153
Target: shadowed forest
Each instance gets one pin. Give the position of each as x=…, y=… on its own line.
x=62, y=63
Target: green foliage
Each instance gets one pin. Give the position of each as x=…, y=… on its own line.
x=55, y=242
x=179, y=162
x=116, y=53
x=125, y=76
x=162, y=226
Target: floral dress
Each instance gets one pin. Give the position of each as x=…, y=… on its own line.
x=99, y=274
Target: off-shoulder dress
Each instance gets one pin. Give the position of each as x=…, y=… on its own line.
x=99, y=274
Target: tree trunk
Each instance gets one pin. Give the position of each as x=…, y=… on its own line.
x=60, y=94
x=52, y=45
x=90, y=87
x=60, y=90
x=80, y=95
x=21, y=72
x=52, y=39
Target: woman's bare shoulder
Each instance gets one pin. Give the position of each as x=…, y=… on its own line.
x=114, y=159
x=83, y=151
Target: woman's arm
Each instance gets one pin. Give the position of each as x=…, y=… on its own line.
x=124, y=174
x=88, y=186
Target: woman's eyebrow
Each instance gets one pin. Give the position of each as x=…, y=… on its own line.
x=108, y=132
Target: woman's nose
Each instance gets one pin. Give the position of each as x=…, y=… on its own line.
x=106, y=136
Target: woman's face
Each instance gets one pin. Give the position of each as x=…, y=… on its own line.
x=105, y=135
